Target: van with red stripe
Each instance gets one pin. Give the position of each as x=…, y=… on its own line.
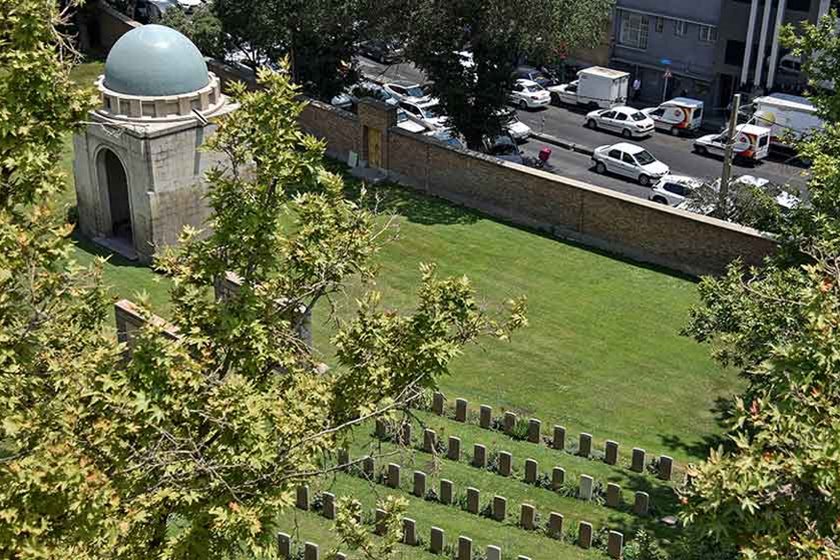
x=752, y=143
x=677, y=116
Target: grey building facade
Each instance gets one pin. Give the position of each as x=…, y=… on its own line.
x=669, y=45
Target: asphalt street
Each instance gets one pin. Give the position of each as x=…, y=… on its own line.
x=568, y=125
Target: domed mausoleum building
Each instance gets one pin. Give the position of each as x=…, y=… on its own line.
x=138, y=169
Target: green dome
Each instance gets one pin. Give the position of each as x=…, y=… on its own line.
x=155, y=61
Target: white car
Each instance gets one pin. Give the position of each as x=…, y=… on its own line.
x=565, y=93
x=517, y=129
x=405, y=122
x=673, y=190
x=627, y=121
x=629, y=160
x=407, y=92
x=425, y=113
x=529, y=95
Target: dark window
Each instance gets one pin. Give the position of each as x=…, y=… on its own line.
x=660, y=24
x=735, y=52
x=799, y=5
x=615, y=154
x=675, y=188
x=627, y=158
x=763, y=141
x=620, y=117
x=609, y=115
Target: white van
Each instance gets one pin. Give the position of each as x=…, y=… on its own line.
x=679, y=115
x=786, y=114
x=595, y=87
x=752, y=143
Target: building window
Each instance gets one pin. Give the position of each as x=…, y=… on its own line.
x=660, y=24
x=634, y=30
x=708, y=34
x=799, y=5
x=734, y=55
x=680, y=27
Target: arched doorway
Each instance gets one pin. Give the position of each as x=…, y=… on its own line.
x=112, y=174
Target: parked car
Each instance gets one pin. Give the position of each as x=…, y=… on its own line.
x=446, y=136
x=405, y=122
x=565, y=93
x=384, y=52
x=529, y=95
x=674, y=190
x=534, y=75
x=351, y=95
x=752, y=143
x=504, y=147
x=517, y=129
x=407, y=91
x=425, y=112
x=627, y=121
x=629, y=160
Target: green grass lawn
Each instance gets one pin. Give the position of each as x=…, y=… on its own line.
x=602, y=353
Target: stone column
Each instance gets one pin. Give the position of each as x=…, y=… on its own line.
x=453, y=451
x=461, y=410
x=528, y=517
x=555, y=525
x=419, y=484
x=302, y=500
x=505, y=463
x=641, y=505
x=559, y=440
x=611, y=452
x=613, y=495
x=393, y=475
x=615, y=544
x=479, y=456
x=585, y=445
x=531, y=471
x=446, y=493
x=558, y=477
x=409, y=531
x=437, y=542
x=438, y=401
x=638, y=461
x=473, y=500
x=534, y=427
x=585, y=535
x=499, y=508
x=585, y=490
x=485, y=418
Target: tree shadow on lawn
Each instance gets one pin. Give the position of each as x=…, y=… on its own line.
x=95, y=250
x=722, y=409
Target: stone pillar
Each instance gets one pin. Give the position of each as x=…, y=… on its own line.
x=453, y=451
x=437, y=542
x=302, y=500
x=585, y=535
x=311, y=551
x=558, y=477
x=438, y=401
x=485, y=418
x=461, y=410
x=375, y=118
x=419, y=484
x=666, y=467
x=409, y=531
x=473, y=500
x=393, y=475
x=611, y=453
x=329, y=505
x=379, y=524
x=559, y=440
x=641, y=505
x=555, y=525
x=585, y=445
x=638, y=461
x=531, y=471
x=493, y=552
x=284, y=544
x=613, y=495
x=509, y=422
x=534, y=428
x=615, y=544
x=585, y=490
x=479, y=456
x=464, y=548
x=528, y=517
x=369, y=468
x=499, y=508
x=505, y=463
x=429, y=441
x=446, y=493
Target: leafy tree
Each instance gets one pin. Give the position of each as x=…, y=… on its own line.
x=473, y=90
x=202, y=27
x=748, y=204
x=187, y=448
x=772, y=491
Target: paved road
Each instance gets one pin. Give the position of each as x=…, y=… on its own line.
x=567, y=124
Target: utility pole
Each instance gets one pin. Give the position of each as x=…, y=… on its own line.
x=723, y=193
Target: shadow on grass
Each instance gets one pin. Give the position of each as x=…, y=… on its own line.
x=96, y=250
x=722, y=409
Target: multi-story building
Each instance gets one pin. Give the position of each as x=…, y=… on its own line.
x=669, y=45
x=749, y=56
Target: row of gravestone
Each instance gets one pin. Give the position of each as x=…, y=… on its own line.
x=437, y=541
x=614, y=495
x=558, y=440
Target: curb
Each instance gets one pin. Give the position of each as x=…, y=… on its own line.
x=586, y=150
